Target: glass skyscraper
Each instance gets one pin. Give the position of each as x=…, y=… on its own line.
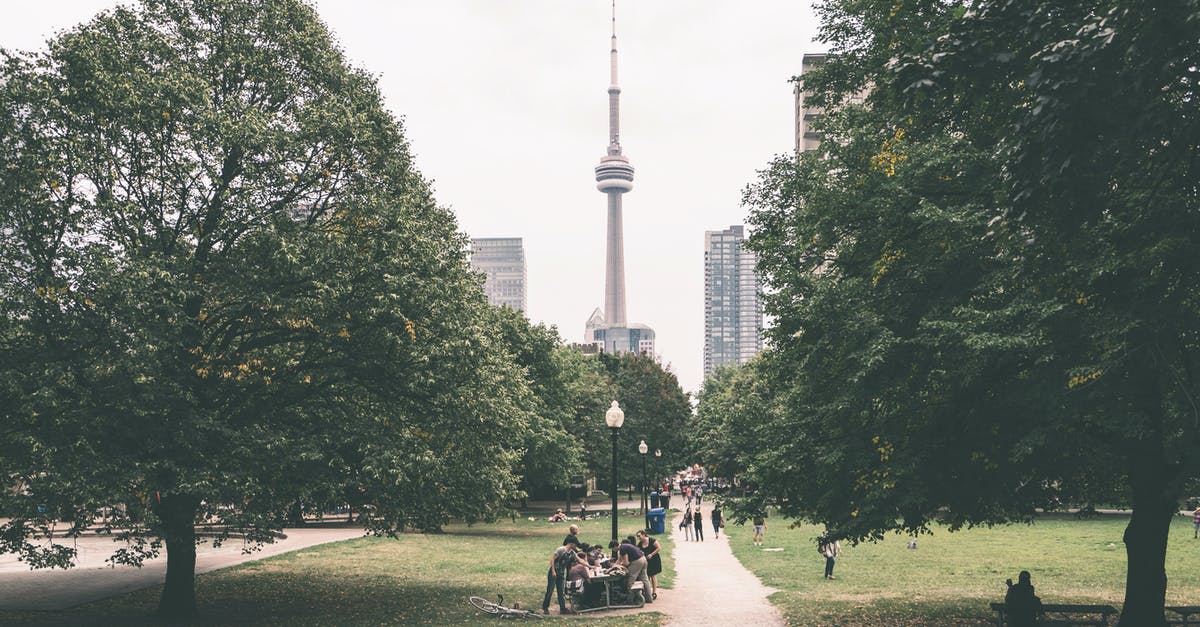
x=502, y=261
x=732, y=309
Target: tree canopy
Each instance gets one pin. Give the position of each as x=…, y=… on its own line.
x=226, y=288
x=983, y=282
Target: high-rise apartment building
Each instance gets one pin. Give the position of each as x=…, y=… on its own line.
x=733, y=315
x=806, y=138
x=502, y=261
x=610, y=330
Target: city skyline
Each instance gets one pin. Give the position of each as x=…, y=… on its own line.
x=505, y=96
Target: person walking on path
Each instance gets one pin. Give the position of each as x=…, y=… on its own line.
x=698, y=521
x=831, y=549
x=717, y=521
x=1196, y=522
x=686, y=525
x=651, y=548
x=760, y=527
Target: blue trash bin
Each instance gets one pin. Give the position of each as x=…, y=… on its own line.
x=653, y=500
x=658, y=520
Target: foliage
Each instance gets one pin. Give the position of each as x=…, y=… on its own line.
x=657, y=410
x=982, y=283
x=228, y=291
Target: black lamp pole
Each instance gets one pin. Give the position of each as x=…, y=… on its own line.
x=614, y=418
x=645, y=497
x=614, y=482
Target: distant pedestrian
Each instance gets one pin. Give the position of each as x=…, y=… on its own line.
x=1196, y=522
x=698, y=521
x=582, y=510
x=699, y=495
x=831, y=549
x=717, y=521
x=686, y=525
x=760, y=527
x=1020, y=603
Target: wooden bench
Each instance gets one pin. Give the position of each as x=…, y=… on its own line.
x=1185, y=612
x=1064, y=614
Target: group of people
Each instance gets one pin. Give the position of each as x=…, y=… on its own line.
x=639, y=556
x=692, y=524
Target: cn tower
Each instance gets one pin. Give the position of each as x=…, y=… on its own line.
x=611, y=330
x=614, y=176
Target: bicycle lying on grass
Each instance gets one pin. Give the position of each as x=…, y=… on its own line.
x=498, y=608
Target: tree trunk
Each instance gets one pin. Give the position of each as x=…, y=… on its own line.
x=178, y=516
x=1146, y=544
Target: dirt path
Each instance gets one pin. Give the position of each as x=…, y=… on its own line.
x=711, y=585
x=92, y=579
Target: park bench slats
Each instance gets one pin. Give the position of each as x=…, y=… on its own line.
x=1186, y=612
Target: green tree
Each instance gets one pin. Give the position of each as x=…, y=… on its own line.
x=984, y=287
x=227, y=291
x=657, y=410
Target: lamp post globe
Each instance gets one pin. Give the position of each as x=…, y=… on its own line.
x=614, y=418
x=657, y=464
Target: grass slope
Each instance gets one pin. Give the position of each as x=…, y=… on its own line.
x=416, y=579
x=951, y=577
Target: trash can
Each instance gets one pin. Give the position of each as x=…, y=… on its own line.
x=664, y=500
x=658, y=520
x=653, y=500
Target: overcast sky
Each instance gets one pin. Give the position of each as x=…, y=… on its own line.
x=505, y=105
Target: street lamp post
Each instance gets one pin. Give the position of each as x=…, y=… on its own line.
x=614, y=417
x=658, y=466
x=642, y=448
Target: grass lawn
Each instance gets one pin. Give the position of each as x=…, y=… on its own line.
x=951, y=577
x=414, y=580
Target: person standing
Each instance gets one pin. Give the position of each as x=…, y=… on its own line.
x=760, y=527
x=1196, y=522
x=831, y=549
x=634, y=561
x=582, y=510
x=717, y=521
x=651, y=548
x=560, y=563
x=698, y=521
x=686, y=525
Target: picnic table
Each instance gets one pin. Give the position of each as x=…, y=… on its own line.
x=608, y=581
x=1065, y=614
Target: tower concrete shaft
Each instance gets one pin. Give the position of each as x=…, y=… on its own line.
x=614, y=176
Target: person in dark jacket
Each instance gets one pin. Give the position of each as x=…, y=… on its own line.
x=1021, y=604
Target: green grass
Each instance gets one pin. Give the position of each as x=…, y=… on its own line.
x=951, y=577
x=417, y=579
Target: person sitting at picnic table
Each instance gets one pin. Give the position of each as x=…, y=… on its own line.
x=1020, y=603
x=634, y=560
x=583, y=571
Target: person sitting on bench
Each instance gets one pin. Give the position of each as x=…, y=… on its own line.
x=1020, y=603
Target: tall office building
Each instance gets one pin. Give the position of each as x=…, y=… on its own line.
x=614, y=176
x=502, y=261
x=733, y=315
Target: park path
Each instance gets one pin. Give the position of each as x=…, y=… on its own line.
x=92, y=580
x=711, y=585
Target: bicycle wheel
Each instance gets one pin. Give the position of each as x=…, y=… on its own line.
x=484, y=605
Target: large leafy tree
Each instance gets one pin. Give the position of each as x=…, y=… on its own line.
x=984, y=286
x=657, y=410
x=226, y=289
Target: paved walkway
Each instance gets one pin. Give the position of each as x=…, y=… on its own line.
x=91, y=579
x=711, y=585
